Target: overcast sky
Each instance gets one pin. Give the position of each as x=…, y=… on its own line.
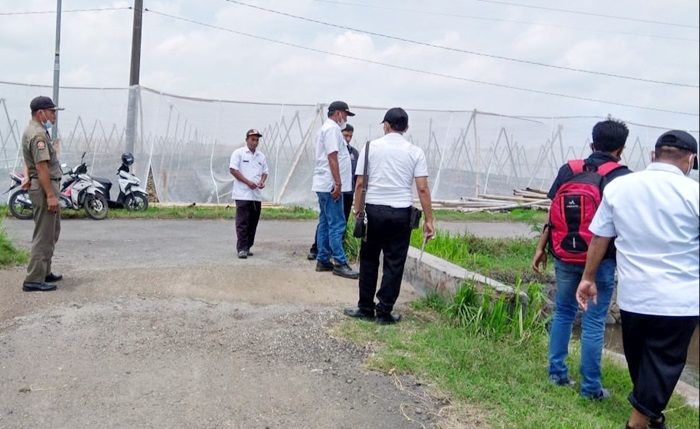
x=189, y=59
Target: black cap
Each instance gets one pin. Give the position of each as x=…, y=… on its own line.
x=349, y=128
x=252, y=132
x=41, y=102
x=397, y=118
x=340, y=105
x=681, y=140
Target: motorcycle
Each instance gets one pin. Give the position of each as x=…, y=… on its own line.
x=78, y=191
x=131, y=195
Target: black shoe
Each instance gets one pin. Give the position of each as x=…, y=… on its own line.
x=53, y=278
x=345, y=271
x=249, y=253
x=359, y=314
x=658, y=424
x=561, y=381
x=600, y=396
x=37, y=287
x=387, y=318
x=311, y=256
x=324, y=266
x=242, y=254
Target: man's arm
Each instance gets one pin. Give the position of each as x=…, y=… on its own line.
x=539, y=260
x=263, y=179
x=427, y=205
x=241, y=178
x=587, y=288
x=42, y=169
x=357, y=204
x=335, y=172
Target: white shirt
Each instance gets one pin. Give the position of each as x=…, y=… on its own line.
x=394, y=163
x=328, y=140
x=252, y=166
x=654, y=214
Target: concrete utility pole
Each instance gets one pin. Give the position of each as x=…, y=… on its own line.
x=134, y=76
x=57, y=64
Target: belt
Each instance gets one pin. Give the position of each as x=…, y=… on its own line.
x=51, y=179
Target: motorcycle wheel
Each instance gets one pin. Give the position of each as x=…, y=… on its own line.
x=137, y=202
x=96, y=206
x=20, y=205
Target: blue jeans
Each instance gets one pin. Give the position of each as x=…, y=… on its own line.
x=568, y=277
x=331, y=228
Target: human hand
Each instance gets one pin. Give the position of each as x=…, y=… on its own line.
x=252, y=185
x=26, y=183
x=52, y=203
x=586, y=290
x=261, y=185
x=428, y=230
x=335, y=193
x=539, y=261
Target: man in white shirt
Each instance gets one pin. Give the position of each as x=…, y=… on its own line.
x=332, y=175
x=248, y=167
x=394, y=164
x=655, y=216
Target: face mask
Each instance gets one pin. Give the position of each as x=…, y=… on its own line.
x=46, y=124
x=342, y=125
x=690, y=166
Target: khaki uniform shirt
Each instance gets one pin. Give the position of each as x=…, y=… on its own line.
x=37, y=147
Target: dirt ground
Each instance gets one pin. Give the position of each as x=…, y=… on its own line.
x=157, y=324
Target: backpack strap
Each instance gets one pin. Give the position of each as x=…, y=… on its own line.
x=608, y=168
x=576, y=165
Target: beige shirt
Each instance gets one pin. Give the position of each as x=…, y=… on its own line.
x=37, y=147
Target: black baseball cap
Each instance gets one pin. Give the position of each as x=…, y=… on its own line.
x=340, y=105
x=681, y=140
x=252, y=132
x=42, y=102
x=397, y=118
x=349, y=128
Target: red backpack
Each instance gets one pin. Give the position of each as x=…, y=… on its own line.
x=573, y=208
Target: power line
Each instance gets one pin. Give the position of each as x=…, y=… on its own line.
x=514, y=21
x=582, y=12
x=463, y=51
x=43, y=12
x=424, y=72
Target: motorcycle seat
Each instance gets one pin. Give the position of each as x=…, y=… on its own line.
x=106, y=182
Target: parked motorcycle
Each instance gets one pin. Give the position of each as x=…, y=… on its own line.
x=131, y=195
x=78, y=191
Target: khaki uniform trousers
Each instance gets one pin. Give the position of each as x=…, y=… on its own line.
x=47, y=228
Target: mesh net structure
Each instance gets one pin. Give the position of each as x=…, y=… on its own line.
x=186, y=143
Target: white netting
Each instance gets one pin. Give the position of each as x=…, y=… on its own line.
x=187, y=142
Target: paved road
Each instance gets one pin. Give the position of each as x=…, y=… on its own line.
x=158, y=324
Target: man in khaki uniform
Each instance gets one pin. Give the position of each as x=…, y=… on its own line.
x=44, y=187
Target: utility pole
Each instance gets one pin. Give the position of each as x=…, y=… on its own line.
x=134, y=76
x=56, y=64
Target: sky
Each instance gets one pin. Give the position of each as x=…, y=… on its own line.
x=194, y=60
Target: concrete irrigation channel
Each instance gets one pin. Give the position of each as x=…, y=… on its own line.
x=158, y=324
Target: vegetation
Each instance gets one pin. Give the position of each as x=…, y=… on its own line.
x=530, y=216
x=9, y=254
x=482, y=355
x=503, y=259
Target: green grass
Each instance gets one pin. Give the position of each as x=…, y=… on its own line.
x=529, y=216
x=505, y=379
x=197, y=212
x=9, y=254
x=503, y=259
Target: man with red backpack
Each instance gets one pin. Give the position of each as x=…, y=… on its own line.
x=576, y=194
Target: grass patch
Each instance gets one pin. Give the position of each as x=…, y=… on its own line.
x=505, y=376
x=194, y=212
x=503, y=259
x=529, y=216
x=9, y=254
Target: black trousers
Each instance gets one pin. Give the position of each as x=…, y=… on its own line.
x=347, y=207
x=389, y=232
x=247, y=218
x=656, y=348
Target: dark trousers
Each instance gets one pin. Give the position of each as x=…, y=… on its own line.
x=347, y=207
x=389, y=231
x=247, y=217
x=656, y=348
